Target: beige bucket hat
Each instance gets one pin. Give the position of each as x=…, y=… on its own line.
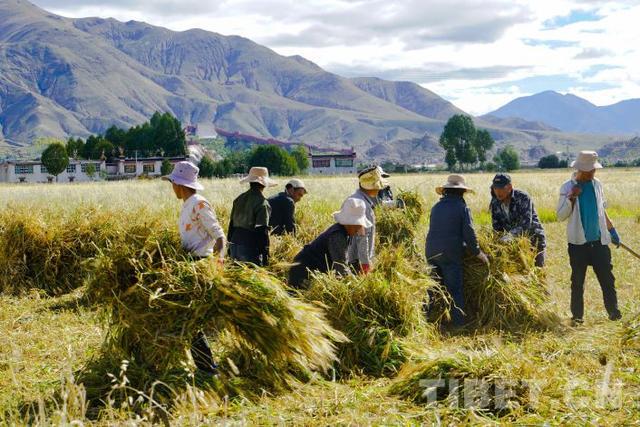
x=297, y=183
x=586, y=161
x=373, y=178
x=260, y=175
x=352, y=212
x=454, y=181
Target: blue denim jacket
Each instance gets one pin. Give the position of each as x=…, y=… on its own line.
x=450, y=231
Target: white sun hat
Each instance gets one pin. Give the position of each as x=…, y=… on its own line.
x=352, y=212
x=260, y=175
x=586, y=161
x=454, y=181
x=185, y=174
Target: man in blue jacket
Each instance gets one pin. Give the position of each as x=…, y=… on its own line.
x=450, y=233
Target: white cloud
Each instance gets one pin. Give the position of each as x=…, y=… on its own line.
x=477, y=54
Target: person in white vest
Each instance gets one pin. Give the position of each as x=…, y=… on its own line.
x=589, y=232
x=202, y=236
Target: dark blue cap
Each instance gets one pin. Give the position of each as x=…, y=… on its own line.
x=501, y=180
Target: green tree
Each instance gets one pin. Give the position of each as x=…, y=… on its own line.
x=115, y=136
x=276, y=159
x=166, y=168
x=483, y=143
x=457, y=139
x=507, y=159
x=75, y=148
x=301, y=156
x=549, y=162
x=207, y=167
x=91, y=170
x=55, y=158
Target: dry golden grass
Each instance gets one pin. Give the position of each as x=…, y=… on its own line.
x=44, y=339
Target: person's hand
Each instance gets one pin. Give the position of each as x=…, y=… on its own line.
x=615, y=238
x=575, y=192
x=400, y=204
x=365, y=268
x=484, y=258
x=220, y=262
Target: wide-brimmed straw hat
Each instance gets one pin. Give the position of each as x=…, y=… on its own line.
x=586, y=161
x=454, y=181
x=260, y=175
x=186, y=174
x=352, y=212
x=373, y=178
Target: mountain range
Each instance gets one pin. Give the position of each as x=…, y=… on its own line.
x=73, y=77
x=570, y=113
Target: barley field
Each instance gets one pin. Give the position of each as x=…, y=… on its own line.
x=586, y=375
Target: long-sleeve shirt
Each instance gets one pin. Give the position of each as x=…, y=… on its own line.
x=249, y=223
x=362, y=248
x=450, y=231
x=283, y=209
x=199, y=227
x=327, y=252
x=519, y=218
x=567, y=210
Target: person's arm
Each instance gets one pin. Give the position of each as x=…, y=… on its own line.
x=289, y=217
x=496, y=216
x=566, y=201
x=468, y=233
x=338, y=253
x=262, y=230
x=209, y=221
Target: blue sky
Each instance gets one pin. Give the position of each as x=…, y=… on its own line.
x=477, y=54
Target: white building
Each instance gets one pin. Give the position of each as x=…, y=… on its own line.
x=16, y=171
x=332, y=162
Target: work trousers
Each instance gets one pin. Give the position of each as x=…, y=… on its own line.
x=449, y=274
x=598, y=256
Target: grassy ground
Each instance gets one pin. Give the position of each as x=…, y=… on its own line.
x=43, y=340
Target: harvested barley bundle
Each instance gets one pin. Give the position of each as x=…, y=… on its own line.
x=157, y=299
x=509, y=294
x=461, y=380
x=413, y=204
x=281, y=253
x=49, y=253
x=395, y=227
x=374, y=311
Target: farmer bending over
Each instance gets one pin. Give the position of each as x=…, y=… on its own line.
x=329, y=250
x=249, y=223
x=283, y=207
x=589, y=232
x=361, y=250
x=201, y=236
x=450, y=231
x=513, y=212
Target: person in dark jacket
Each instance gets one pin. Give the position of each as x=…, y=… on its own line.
x=513, y=213
x=249, y=224
x=329, y=250
x=450, y=233
x=283, y=208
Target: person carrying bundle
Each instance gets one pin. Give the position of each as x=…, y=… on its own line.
x=589, y=232
x=249, y=223
x=450, y=232
x=513, y=212
x=329, y=250
x=362, y=247
x=283, y=207
x=201, y=235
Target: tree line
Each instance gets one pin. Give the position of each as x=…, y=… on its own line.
x=161, y=136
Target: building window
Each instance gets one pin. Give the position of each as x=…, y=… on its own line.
x=148, y=168
x=321, y=163
x=344, y=163
x=43, y=169
x=71, y=169
x=23, y=169
x=129, y=168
